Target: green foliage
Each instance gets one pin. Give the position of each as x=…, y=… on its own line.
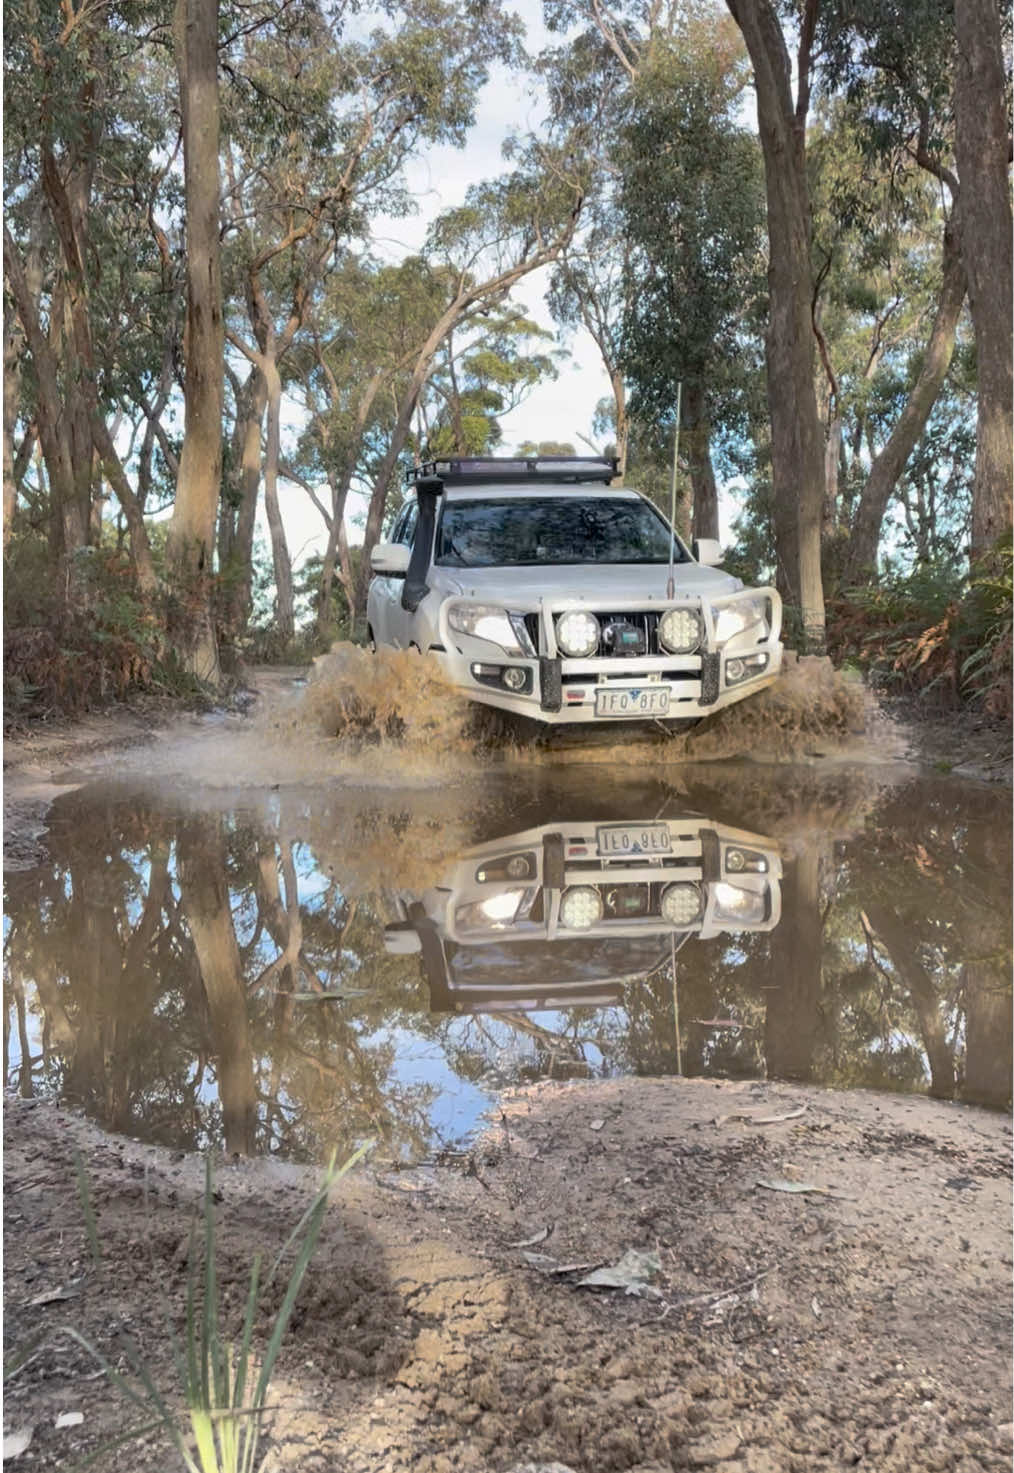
x=224, y=1402
x=934, y=631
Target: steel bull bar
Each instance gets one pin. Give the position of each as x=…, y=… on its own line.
x=551, y=661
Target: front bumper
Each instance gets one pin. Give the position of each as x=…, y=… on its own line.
x=560, y=690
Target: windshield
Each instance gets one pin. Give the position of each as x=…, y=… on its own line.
x=549, y=966
x=572, y=529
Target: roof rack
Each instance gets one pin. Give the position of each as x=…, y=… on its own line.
x=473, y=470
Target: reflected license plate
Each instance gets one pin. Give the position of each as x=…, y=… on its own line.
x=630, y=700
x=628, y=839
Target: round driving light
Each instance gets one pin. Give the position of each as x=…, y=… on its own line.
x=735, y=861
x=514, y=678
x=734, y=669
x=580, y=907
x=681, y=904
x=517, y=867
x=577, y=633
x=679, y=631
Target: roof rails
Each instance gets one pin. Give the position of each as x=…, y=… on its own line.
x=476, y=469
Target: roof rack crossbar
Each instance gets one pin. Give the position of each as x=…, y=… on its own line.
x=475, y=469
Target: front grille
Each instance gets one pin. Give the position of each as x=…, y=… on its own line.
x=647, y=623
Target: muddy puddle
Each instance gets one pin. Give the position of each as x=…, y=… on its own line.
x=299, y=971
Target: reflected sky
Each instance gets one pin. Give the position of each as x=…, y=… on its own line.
x=295, y=976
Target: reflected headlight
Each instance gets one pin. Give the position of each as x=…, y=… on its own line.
x=745, y=861
x=488, y=621
x=681, y=904
x=732, y=903
x=577, y=633
x=580, y=907
x=497, y=912
x=734, y=618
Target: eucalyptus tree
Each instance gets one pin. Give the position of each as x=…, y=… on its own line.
x=506, y=229
x=982, y=143
x=87, y=94
x=317, y=143
x=691, y=204
x=486, y=371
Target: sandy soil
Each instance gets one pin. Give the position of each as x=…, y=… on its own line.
x=865, y=1325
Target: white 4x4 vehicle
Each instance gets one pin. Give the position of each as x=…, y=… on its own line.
x=549, y=593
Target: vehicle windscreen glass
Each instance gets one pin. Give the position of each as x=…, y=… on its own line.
x=496, y=534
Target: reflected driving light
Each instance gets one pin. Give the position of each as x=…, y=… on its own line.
x=732, y=903
x=679, y=631
x=740, y=861
x=577, y=633
x=681, y=904
x=580, y=907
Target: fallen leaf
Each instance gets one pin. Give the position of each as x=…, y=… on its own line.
x=752, y=1119
x=815, y=1306
x=542, y=1262
x=16, y=1442
x=539, y=1237
x=798, y=1187
x=596, y=1124
x=777, y=1119
x=69, y=1419
x=631, y=1275
x=52, y=1296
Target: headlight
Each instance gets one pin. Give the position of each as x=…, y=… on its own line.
x=577, y=633
x=580, y=907
x=681, y=904
x=734, y=618
x=732, y=903
x=679, y=631
x=486, y=621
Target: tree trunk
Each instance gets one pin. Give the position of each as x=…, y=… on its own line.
x=339, y=498
x=284, y=610
x=204, y=891
x=237, y=522
x=792, y=1015
x=189, y=548
x=900, y=947
x=12, y=396
x=378, y=500
x=797, y=446
x=890, y=462
x=702, y=473
x=622, y=423
x=982, y=146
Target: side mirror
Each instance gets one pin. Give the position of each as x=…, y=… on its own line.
x=707, y=551
x=390, y=559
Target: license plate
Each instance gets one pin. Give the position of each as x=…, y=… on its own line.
x=629, y=839
x=631, y=700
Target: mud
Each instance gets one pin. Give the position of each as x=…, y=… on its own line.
x=865, y=1324
x=868, y=1328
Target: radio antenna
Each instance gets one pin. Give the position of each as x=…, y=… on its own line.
x=670, y=587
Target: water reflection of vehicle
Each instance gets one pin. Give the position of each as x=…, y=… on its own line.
x=565, y=914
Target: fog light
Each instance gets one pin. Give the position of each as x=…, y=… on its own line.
x=514, y=678
x=734, y=670
x=681, y=904
x=580, y=907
